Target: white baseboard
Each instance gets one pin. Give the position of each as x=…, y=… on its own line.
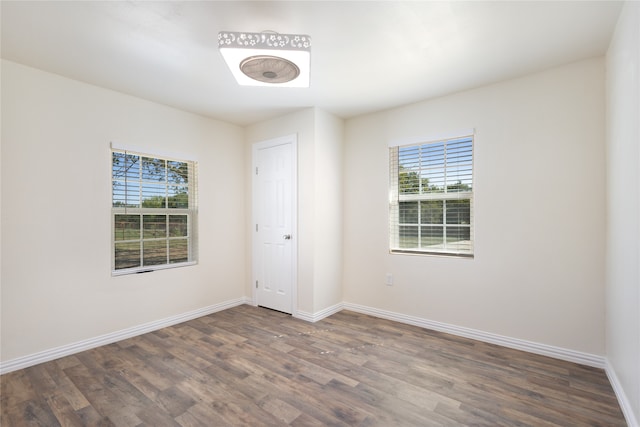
x=532, y=347
x=623, y=400
x=515, y=343
x=314, y=317
x=69, y=349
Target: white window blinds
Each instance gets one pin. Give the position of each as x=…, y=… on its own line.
x=154, y=212
x=431, y=197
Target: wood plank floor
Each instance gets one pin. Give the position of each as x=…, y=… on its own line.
x=250, y=366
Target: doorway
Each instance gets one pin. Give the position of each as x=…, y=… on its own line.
x=275, y=239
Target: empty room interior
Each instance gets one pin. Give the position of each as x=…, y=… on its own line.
x=320, y=213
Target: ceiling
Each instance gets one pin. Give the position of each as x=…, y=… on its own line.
x=366, y=55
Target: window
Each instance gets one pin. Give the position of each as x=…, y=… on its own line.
x=431, y=197
x=154, y=212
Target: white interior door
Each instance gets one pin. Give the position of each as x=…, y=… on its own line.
x=274, y=243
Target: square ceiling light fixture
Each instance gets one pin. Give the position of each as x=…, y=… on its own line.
x=267, y=59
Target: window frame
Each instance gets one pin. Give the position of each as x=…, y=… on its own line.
x=396, y=198
x=190, y=211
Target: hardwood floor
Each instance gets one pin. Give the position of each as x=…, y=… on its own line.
x=250, y=366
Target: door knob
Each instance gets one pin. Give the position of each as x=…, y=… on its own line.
x=287, y=237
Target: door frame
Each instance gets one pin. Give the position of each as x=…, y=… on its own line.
x=291, y=140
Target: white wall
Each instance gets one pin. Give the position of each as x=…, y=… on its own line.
x=319, y=202
x=538, y=270
x=623, y=205
x=57, y=287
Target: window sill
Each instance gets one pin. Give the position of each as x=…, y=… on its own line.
x=150, y=269
x=430, y=253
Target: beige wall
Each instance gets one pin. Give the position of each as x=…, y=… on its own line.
x=329, y=155
x=538, y=270
x=57, y=287
x=623, y=205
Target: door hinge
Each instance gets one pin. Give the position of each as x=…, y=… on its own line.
x=256, y=170
x=256, y=284
x=256, y=227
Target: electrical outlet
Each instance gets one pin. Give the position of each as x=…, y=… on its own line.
x=389, y=279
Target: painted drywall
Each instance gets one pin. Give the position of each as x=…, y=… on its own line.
x=538, y=271
x=623, y=204
x=319, y=269
x=328, y=210
x=57, y=286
